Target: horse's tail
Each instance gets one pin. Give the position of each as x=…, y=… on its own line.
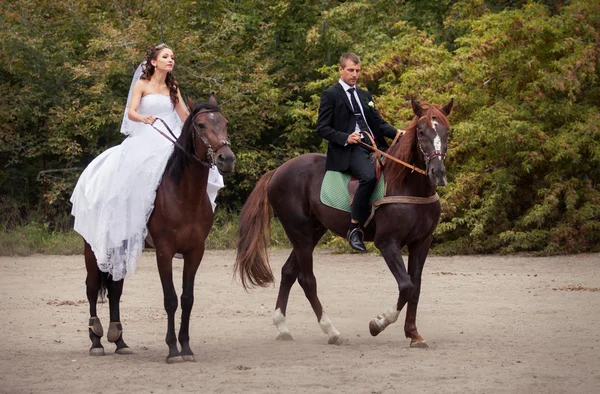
x=252, y=262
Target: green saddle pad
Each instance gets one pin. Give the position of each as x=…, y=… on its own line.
x=335, y=194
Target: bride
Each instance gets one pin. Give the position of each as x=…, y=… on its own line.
x=114, y=196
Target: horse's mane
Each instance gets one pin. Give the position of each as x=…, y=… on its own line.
x=181, y=159
x=405, y=148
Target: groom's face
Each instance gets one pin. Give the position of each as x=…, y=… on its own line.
x=349, y=72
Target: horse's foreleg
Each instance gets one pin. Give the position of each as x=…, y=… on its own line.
x=93, y=287
x=289, y=274
x=392, y=254
x=190, y=267
x=165, y=270
x=115, y=330
x=416, y=261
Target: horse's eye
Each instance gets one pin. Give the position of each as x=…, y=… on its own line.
x=201, y=125
x=421, y=132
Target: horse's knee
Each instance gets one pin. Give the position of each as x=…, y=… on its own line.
x=171, y=304
x=187, y=301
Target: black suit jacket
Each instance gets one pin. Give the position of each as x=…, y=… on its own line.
x=337, y=121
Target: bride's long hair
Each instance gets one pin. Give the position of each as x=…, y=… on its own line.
x=148, y=71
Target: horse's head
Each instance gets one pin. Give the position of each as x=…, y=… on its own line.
x=432, y=130
x=211, y=142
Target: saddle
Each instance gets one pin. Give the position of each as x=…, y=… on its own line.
x=335, y=189
x=353, y=184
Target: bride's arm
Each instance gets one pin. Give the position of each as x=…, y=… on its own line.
x=136, y=97
x=181, y=109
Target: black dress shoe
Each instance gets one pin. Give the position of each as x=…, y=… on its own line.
x=355, y=239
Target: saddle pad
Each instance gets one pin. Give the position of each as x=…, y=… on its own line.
x=335, y=194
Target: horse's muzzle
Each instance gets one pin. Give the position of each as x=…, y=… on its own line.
x=225, y=163
x=437, y=174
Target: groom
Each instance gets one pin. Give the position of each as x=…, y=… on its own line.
x=345, y=113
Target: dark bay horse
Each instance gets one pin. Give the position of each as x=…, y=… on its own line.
x=180, y=222
x=292, y=191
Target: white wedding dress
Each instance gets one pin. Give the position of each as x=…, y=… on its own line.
x=114, y=196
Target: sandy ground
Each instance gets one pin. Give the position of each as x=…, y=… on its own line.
x=494, y=324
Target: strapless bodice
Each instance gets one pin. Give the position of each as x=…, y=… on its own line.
x=157, y=105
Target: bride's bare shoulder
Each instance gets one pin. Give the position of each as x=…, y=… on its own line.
x=141, y=86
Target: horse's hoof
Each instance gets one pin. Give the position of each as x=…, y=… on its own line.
x=374, y=328
x=124, y=350
x=337, y=340
x=284, y=336
x=174, y=360
x=189, y=357
x=97, y=351
x=419, y=344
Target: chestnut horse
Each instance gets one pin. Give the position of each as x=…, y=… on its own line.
x=293, y=192
x=180, y=222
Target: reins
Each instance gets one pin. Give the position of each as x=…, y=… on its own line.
x=376, y=150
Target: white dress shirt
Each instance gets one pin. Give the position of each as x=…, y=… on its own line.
x=346, y=87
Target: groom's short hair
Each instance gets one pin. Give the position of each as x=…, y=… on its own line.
x=353, y=57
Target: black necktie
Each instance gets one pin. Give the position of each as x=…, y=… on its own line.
x=359, y=117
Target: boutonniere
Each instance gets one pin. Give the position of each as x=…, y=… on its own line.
x=371, y=104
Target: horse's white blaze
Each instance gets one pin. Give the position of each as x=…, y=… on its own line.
x=437, y=141
x=279, y=321
x=328, y=327
x=387, y=318
x=437, y=144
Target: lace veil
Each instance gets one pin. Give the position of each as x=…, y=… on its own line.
x=127, y=124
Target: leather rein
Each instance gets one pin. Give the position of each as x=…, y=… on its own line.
x=210, y=151
x=382, y=153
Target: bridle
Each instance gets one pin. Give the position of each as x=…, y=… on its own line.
x=431, y=155
x=211, y=151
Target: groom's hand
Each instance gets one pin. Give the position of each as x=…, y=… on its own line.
x=353, y=138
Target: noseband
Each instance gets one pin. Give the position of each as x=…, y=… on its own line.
x=210, y=151
x=432, y=154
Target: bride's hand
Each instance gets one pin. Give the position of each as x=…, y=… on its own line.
x=148, y=119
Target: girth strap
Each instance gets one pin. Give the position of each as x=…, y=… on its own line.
x=401, y=200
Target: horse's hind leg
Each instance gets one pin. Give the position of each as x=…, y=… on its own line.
x=304, y=235
x=416, y=262
x=289, y=274
x=115, y=330
x=93, y=288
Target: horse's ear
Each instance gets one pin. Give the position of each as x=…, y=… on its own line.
x=446, y=109
x=417, y=109
x=190, y=103
x=212, y=99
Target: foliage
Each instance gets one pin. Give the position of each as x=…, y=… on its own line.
x=524, y=164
